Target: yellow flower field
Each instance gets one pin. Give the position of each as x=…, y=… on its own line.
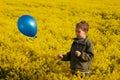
x=26, y=58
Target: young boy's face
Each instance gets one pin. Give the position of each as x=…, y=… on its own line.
x=80, y=33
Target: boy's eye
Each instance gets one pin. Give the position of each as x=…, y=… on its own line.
x=78, y=31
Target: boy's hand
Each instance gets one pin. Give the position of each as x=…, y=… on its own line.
x=78, y=53
x=60, y=56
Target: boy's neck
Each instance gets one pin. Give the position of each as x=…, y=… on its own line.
x=82, y=38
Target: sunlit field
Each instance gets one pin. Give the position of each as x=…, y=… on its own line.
x=28, y=58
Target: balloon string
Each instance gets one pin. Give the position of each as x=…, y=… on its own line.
x=41, y=40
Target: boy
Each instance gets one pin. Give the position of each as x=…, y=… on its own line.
x=81, y=53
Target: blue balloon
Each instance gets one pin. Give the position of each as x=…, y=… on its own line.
x=27, y=25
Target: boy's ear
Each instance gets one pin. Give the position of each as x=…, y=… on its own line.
x=86, y=32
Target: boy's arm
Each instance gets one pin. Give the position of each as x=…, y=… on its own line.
x=66, y=57
x=88, y=54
